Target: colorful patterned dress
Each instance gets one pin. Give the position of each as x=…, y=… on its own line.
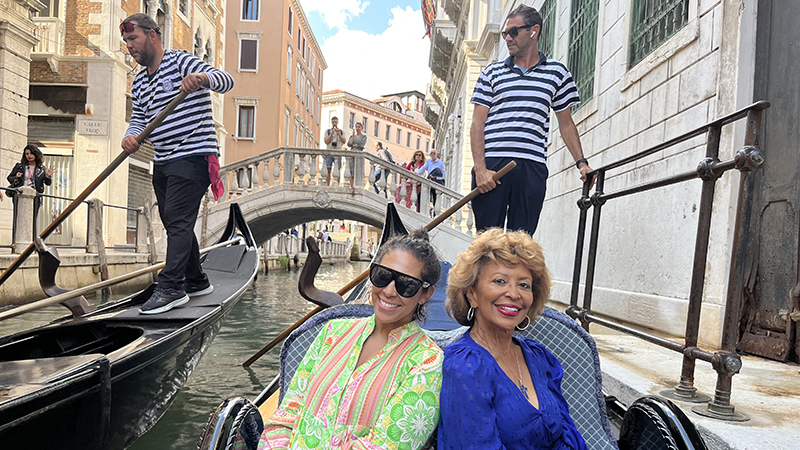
x=389, y=402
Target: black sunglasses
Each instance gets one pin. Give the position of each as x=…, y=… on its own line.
x=127, y=27
x=513, y=31
x=405, y=285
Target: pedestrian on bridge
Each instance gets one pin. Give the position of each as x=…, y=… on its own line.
x=357, y=141
x=186, y=151
x=511, y=121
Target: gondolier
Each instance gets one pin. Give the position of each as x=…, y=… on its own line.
x=185, y=148
x=511, y=121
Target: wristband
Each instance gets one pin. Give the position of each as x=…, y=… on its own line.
x=579, y=162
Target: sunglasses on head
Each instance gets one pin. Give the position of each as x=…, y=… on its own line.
x=513, y=31
x=405, y=285
x=127, y=27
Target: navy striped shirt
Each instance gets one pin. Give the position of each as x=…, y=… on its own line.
x=519, y=105
x=189, y=130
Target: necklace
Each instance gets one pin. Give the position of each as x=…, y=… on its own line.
x=491, y=349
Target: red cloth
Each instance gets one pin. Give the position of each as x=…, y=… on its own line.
x=213, y=174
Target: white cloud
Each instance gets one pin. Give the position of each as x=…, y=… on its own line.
x=371, y=65
x=335, y=12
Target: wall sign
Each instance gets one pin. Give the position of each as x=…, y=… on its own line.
x=93, y=127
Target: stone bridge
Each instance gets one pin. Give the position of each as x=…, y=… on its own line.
x=275, y=195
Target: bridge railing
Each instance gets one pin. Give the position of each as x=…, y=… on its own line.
x=307, y=167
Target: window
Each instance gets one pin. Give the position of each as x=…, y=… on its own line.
x=248, y=55
x=183, y=7
x=398, y=136
x=298, y=87
x=289, y=64
x=311, y=101
x=247, y=122
x=250, y=9
x=583, y=45
x=547, y=35
x=298, y=39
x=51, y=8
x=408, y=140
x=319, y=77
x=377, y=128
x=388, y=132
x=427, y=145
x=365, y=122
x=352, y=120
x=290, y=20
x=308, y=92
x=304, y=90
x=304, y=48
x=419, y=141
x=208, y=57
x=287, y=116
x=296, y=135
x=652, y=23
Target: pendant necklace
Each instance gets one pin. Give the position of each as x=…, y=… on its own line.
x=522, y=387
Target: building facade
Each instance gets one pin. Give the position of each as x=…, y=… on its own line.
x=647, y=71
x=278, y=68
x=396, y=121
x=78, y=103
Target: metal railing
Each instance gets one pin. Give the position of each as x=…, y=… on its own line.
x=726, y=362
x=306, y=167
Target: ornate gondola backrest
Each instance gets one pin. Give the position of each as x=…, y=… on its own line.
x=582, y=383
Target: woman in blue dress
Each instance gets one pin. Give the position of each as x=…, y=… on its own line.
x=499, y=391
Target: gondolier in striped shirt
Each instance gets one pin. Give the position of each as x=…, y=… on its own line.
x=511, y=121
x=185, y=147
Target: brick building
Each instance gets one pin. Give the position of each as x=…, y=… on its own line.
x=79, y=100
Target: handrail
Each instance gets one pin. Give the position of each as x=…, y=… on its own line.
x=98, y=286
x=726, y=361
x=57, y=197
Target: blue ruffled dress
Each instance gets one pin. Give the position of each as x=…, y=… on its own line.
x=482, y=408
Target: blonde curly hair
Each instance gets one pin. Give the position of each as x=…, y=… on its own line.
x=493, y=245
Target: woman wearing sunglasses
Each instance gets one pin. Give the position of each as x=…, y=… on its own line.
x=499, y=391
x=370, y=383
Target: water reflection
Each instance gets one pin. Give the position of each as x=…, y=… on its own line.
x=266, y=309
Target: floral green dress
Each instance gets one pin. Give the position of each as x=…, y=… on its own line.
x=389, y=402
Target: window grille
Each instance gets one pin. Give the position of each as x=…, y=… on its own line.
x=548, y=34
x=652, y=23
x=583, y=46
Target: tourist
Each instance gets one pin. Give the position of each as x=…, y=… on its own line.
x=371, y=382
x=31, y=172
x=380, y=171
x=186, y=151
x=334, y=139
x=499, y=391
x=510, y=122
x=357, y=141
x=417, y=161
x=436, y=172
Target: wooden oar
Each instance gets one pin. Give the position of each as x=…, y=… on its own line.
x=89, y=189
x=439, y=219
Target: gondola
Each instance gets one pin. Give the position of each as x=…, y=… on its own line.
x=651, y=423
x=101, y=380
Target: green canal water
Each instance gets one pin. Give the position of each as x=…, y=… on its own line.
x=267, y=308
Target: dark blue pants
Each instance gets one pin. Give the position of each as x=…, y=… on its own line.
x=519, y=196
x=180, y=186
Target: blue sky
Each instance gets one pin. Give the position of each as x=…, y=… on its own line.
x=372, y=47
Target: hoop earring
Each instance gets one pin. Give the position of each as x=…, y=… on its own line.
x=526, y=325
x=470, y=314
x=421, y=312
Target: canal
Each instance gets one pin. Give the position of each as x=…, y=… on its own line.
x=265, y=310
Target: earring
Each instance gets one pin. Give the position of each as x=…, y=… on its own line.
x=421, y=312
x=470, y=314
x=527, y=324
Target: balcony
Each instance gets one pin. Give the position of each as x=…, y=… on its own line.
x=50, y=31
x=442, y=39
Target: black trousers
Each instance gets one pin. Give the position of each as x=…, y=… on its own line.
x=520, y=196
x=180, y=186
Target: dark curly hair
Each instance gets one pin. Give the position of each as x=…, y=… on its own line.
x=36, y=153
x=418, y=244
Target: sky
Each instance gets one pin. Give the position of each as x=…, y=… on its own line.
x=372, y=47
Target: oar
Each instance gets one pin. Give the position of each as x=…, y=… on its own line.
x=89, y=189
x=439, y=219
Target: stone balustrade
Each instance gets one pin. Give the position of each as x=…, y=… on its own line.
x=288, y=245
x=306, y=167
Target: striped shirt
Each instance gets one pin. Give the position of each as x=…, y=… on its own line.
x=389, y=402
x=519, y=105
x=189, y=130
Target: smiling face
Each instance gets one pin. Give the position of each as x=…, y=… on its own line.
x=140, y=45
x=391, y=309
x=502, y=296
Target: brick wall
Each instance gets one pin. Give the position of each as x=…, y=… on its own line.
x=71, y=72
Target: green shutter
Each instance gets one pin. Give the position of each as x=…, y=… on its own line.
x=547, y=37
x=652, y=23
x=583, y=46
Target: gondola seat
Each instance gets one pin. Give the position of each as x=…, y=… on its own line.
x=572, y=345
